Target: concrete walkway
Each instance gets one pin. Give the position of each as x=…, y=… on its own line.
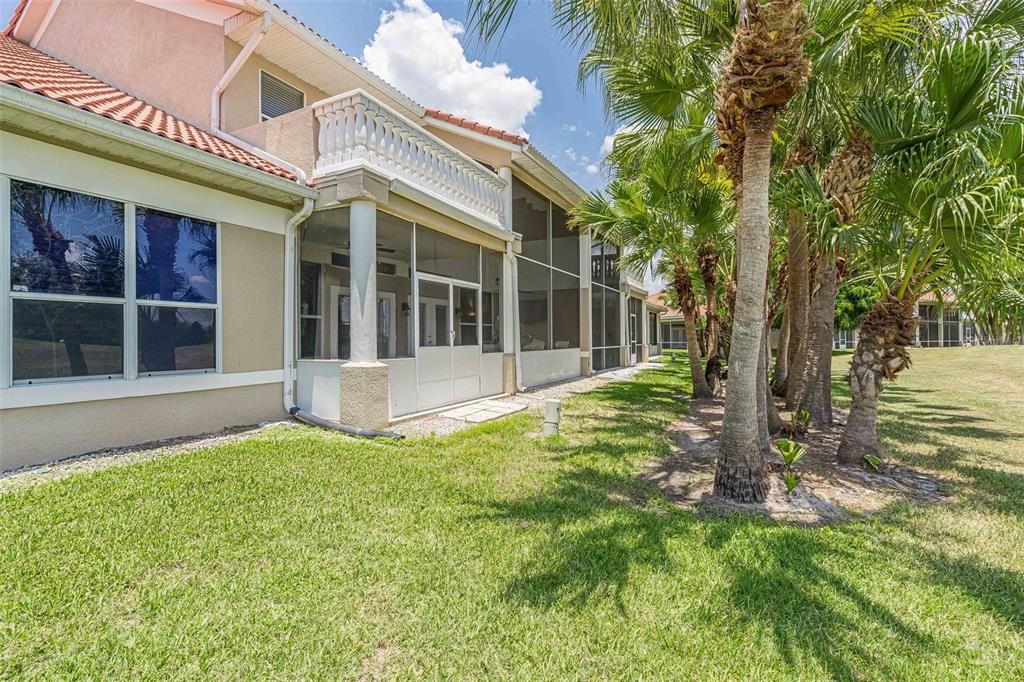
x=464, y=416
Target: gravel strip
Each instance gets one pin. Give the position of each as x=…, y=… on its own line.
x=18, y=479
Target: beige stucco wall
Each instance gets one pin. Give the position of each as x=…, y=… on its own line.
x=164, y=58
x=35, y=435
x=240, y=103
x=252, y=299
x=292, y=137
x=494, y=156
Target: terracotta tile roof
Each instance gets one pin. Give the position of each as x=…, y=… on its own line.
x=18, y=11
x=31, y=70
x=476, y=127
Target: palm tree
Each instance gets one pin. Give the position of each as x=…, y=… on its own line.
x=944, y=207
x=766, y=68
x=663, y=214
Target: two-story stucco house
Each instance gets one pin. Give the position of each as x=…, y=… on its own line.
x=211, y=216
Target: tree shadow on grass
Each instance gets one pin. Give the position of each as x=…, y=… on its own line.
x=780, y=581
x=599, y=527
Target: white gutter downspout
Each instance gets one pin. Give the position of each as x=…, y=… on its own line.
x=225, y=80
x=291, y=237
x=517, y=340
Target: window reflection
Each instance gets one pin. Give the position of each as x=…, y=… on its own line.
x=179, y=339
x=65, y=242
x=176, y=257
x=61, y=339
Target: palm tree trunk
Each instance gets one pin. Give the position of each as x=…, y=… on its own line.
x=687, y=303
x=817, y=376
x=701, y=390
x=741, y=473
x=773, y=420
x=797, y=304
x=781, y=373
x=885, y=333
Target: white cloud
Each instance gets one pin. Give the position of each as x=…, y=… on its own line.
x=569, y=128
x=584, y=159
x=418, y=51
x=592, y=169
x=570, y=153
x=609, y=140
x=606, y=146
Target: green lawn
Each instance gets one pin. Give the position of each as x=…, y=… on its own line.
x=495, y=554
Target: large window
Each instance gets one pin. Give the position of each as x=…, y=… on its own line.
x=176, y=278
x=73, y=314
x=606, y=311
x=549, y=284
x=950, y=327
x=534, y=291
x=491, y=300
x=530, y=213
x=928, y=331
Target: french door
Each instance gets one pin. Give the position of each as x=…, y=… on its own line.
x=448, y=340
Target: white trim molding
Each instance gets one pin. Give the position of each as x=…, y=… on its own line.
x=38, y=395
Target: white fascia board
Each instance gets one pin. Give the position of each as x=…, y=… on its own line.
x=298, y=29
x=545, y=163
x=65, y=114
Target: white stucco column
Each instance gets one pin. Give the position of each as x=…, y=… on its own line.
x=365, y=388
x=363, y=264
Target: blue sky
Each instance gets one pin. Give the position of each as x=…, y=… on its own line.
x=428, y=57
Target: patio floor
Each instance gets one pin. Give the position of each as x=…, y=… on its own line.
x=464, y=416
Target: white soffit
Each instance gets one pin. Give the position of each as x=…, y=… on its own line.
x=291, y=46
x=201, y=10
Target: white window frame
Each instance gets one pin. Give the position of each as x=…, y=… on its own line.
x=259, y=101
x=130, y=302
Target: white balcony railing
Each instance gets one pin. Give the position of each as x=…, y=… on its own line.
x=356, y=130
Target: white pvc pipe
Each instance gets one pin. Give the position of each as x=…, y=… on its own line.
x=221, y=86
x=291, y=255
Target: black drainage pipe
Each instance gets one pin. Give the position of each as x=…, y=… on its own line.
x=313, y=420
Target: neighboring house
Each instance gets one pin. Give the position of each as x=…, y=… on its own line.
x=211, y=215
x=950, y=327
x=671, y=324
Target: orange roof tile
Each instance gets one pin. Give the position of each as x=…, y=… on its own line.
x=32, y=70
x=18, y=11
x=476, y=127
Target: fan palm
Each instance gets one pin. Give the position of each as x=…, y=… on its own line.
x=664, y=214
x=944, y=206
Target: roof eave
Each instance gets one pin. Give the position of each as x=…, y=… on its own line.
x=556, y=176
x=67, y=115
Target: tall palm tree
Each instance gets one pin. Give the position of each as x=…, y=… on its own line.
x=945, y=205
x=766, y=68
